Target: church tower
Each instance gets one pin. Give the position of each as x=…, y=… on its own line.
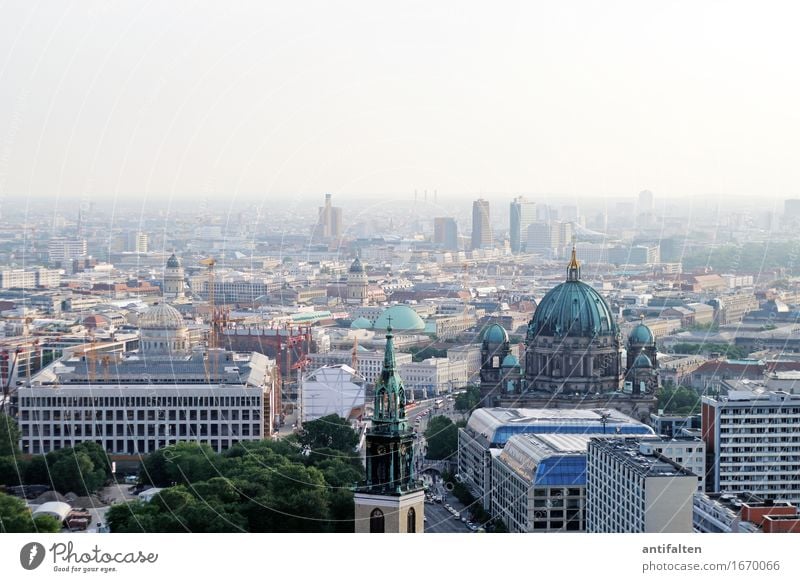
x=173, y=278
x=391, y=500
x=357, y=284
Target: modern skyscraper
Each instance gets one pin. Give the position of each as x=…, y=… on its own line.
x=329, y=223
x=392, y=499
x=481, y=225
x=523, y=214
x=445, y=232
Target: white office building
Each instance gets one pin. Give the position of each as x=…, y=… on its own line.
x=753, y=438
x=134, y=404
x=630, y=488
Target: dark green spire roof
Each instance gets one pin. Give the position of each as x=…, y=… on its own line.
x=390, y=395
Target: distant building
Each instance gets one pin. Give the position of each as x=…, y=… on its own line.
x=522, y=215
x=482, y=237
x=174, y=279
x=62, y=250
x=329, y=222
x=445, y=233
x=357, y=284
x=630, y=488
x=29, y=278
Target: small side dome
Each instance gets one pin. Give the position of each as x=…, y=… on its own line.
x=495, y=334
x=641, y=336
x=361, y=323
x=173, y=262
x=642, y=361
x=510, y=361
x=356, y=267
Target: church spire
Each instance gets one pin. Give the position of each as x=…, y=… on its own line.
x=390, y=396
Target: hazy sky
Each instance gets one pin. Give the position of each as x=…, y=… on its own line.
x=176, y=99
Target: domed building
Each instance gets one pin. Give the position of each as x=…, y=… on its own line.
x=163, y=331
x=357, y=284
x=573, y=355
x=403, y=319
x=174, y=284
x=573, y=342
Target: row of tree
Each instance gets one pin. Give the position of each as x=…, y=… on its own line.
x=83, y=469
x=299, y=484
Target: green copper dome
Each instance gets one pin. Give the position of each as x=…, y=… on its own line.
x=495, y=334
x=173, y=262
x=642, y=361
x=573, y=309
x=361, y=323
x=641, y=335
x=402, y=318
x=510, y=361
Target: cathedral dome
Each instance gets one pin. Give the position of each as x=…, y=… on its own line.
x=573, y=309
x=403, y=318
x=495, y=334
x=161, y=316
x=641, y=335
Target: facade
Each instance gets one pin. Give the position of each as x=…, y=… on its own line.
x=753, y=444
x=539, y=483
x=522, y=215
x=133, y=405
x=445, y=233
x=500, y=370
x=732, y=308
x=332, y=390
x=727, y=513
x=482, y=237
x=632, y=489
x=434, y=376
x=62, y=250
x=29, y=278
x=368, y=363
x=489, y=429
x=391, y=500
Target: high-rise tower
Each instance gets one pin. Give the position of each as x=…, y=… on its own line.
x=522, y=215
x=391, y=500
x=481, y=225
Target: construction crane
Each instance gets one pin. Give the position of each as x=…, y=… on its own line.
x=354, y=359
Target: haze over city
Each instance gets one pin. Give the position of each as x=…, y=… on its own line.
x=115, y=100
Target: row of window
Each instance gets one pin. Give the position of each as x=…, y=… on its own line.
x=121, y=415
x=137, y=401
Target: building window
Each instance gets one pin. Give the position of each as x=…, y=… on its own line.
x=376, y=521
x=411, y=521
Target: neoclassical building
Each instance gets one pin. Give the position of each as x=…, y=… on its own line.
x=174, y=284
x=574, y=355
x=357, y=284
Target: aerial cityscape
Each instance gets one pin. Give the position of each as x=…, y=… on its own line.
x=336, y=268
x=511, y=366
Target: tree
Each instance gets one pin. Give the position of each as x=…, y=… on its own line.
x=9, y=436
x=442, y=438
x=330, y=431
x=469, y=400
x=15, y=517
x=186, y=462
x=678, y=400
x=12, y=471
x=75, y=472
